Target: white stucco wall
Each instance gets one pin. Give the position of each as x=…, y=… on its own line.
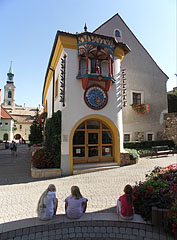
x=75, y=106
x=142, y=74
x=6, y=129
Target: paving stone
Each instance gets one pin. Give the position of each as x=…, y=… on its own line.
x=84, y=229
x=18, y=232
x=142, y=233
x=25, y=231
x=135, y=232
x=128, y=231
x=3, y=236
x=31, y=236
x=52, y=232
x=45, y=233
x=17, y=238
x=122, y=230
x=109, y=229
x=11, y=234
x=38, y=235
x=24, y=237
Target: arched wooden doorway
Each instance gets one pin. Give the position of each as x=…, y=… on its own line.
x=93, y=141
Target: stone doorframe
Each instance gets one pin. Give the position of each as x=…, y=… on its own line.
x=111, y=125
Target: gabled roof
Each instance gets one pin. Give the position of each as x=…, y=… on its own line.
x=5, y=114
x=132, y=34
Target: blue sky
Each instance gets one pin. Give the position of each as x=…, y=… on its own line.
x=28, y=28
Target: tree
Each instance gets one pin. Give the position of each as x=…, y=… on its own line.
x=36, y=130
x=172, y=102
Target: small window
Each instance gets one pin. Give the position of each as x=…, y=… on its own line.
x=0, y=123
x=9, y=94
x=117, y=33
x=149, y=137
x=136, y=98
x=126, y=137
x=9, y=103
x=6, y=123
x=56, y=88
x=20, y=126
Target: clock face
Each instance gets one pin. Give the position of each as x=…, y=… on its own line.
x=95, y=97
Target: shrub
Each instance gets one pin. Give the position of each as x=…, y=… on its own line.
x=148, y=144
x=133, y=154
x=42, y=159
x=53, y=137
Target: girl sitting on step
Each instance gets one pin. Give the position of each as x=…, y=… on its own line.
x=48, y=203
x=125, y=206
x=75, y=204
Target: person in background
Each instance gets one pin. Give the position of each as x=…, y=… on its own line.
x=47, y=204
x=75, y=204
x=125, y=204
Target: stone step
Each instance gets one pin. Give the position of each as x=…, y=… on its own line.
x=93, y=167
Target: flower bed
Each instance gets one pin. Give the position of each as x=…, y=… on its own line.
x=158, y=190
x=43, y=164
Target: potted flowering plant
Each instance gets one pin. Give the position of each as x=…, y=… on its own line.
x=141, y=108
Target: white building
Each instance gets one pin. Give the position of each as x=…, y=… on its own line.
x=83, y=81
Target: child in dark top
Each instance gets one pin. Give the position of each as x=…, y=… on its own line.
x=125, y=204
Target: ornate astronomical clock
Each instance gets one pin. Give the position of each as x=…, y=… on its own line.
x=95, y=97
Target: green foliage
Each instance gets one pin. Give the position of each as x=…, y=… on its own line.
x=133, y=154
x=172, y=102
x=138, y=145
x=53, y=137
x=36, y=131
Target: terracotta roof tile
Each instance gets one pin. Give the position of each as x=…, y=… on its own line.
x=5, y=114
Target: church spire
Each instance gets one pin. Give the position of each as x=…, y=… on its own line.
x=10, y=74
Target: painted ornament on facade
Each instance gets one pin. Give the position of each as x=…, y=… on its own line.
x=95, y=97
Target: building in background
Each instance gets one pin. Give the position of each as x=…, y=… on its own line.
x=145, y=84
x=6, y=124
x=23, y=116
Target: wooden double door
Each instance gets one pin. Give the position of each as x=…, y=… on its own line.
x=92, y=142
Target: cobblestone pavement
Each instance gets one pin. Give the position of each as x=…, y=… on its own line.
x=19, y=192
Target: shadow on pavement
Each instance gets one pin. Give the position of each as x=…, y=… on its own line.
x=16, y=169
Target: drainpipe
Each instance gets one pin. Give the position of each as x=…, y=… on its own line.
x=53, y=89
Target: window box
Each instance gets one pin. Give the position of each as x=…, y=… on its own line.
x=141, y=108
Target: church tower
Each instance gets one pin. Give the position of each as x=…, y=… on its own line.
x=9, y=89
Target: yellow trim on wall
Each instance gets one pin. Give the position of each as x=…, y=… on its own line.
x=63, y=41
x=110, y=124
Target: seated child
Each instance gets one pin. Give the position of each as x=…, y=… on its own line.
x=125, y=204
x=48, y=203
x=75, y=204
